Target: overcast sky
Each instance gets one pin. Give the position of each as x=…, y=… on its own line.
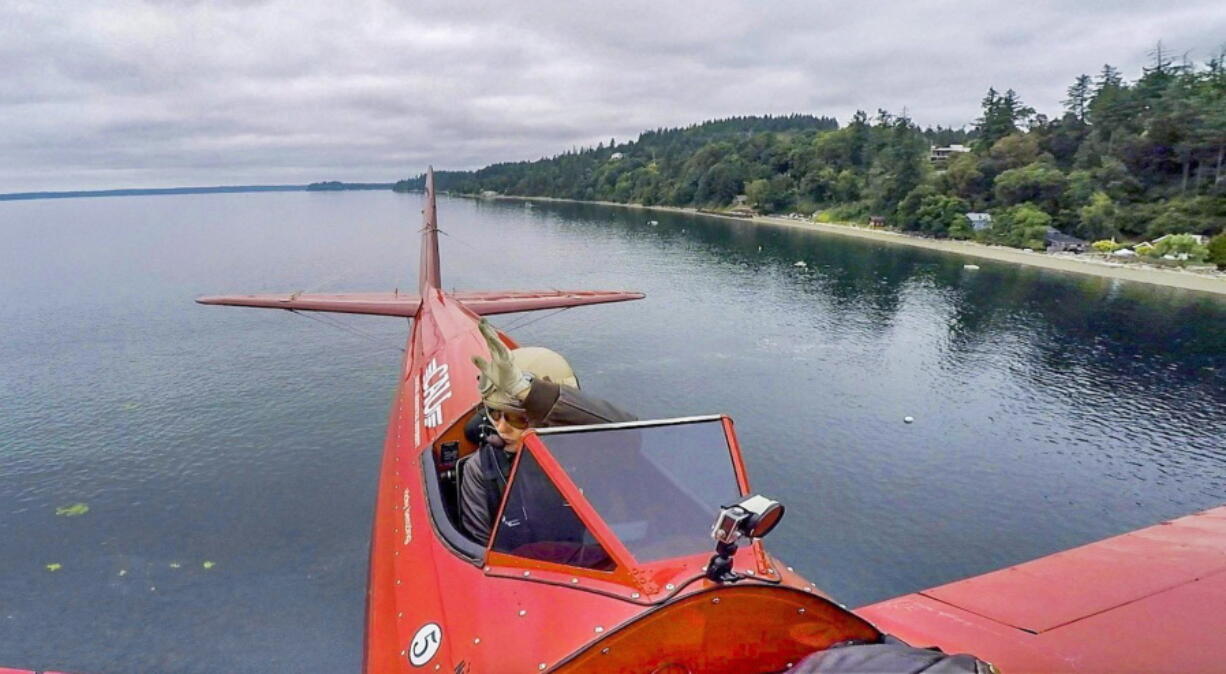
x=223, y=92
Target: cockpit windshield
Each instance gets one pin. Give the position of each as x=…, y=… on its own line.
x=538, y=523
x=658, y=487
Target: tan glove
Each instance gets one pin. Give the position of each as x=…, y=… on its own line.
x=502, y=384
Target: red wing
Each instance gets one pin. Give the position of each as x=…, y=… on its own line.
x=379, y=304
x=505, y=302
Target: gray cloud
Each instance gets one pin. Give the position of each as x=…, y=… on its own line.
x=185, y=92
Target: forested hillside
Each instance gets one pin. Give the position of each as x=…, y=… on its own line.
x=1131, y=159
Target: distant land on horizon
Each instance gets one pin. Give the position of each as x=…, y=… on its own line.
x=326, y=186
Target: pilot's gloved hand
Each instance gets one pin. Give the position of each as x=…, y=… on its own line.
x=502, y=384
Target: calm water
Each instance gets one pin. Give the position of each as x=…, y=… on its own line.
x=1050, y=410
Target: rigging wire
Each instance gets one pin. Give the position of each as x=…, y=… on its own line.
x=347, y=328
x=513, y=326
x=504, y=262
x=537, y=319
x=340, y=325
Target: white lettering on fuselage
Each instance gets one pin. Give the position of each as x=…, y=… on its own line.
x=408, y=521
x=435, y=388
x=416, y=412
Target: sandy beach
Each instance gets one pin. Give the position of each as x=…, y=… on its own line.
x=1093, y=266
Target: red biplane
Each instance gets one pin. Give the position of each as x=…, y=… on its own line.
x=621, y=573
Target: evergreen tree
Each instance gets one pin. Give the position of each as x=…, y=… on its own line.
x=901, y=165
x=1079, y=97
x=1000, y=117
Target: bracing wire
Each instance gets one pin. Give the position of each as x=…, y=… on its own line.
x=347, y=328
x=514, y=326
x=377, y=340
x=514, y=263
x=486, y=253
x=537, y=319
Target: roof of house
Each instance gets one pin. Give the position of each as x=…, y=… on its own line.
x=1056, y=236
x=1200, y=238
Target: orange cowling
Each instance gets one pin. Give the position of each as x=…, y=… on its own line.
x=730, y=629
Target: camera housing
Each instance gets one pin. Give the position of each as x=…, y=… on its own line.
x=751, y=517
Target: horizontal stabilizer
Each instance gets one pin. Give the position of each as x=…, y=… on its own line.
x=483, y=303
x=379, y=304
x=508, y=302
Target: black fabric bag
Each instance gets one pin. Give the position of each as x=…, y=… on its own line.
x=892, y=656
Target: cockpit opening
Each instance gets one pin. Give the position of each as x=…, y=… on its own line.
x=646, y=491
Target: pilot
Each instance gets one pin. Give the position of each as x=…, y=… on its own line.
x=528, y=388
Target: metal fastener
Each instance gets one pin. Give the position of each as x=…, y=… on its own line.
x=604, y=651
x=522, y=613
x=599, y=629
x=541, y=666
x=801, y=611
x=574, y=581
x=634, y=595
x=477, y=640
x=527, y=573
x=715, y=600
x=670, y=586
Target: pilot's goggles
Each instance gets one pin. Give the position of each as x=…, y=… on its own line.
x=517, y=419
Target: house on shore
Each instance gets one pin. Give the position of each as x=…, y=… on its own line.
x=980, y=221
x=941, y=154
x=1059, y=242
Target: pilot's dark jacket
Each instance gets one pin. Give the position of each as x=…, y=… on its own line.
x=484, y=477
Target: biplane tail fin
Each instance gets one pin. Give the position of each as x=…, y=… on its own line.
x=429, y=274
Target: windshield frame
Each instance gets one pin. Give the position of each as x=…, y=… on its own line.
x=626, y=565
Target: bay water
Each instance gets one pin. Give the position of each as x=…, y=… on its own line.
x=228, y=457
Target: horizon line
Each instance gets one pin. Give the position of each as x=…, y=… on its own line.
x=148, y=191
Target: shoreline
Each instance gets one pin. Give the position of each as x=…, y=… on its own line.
x=1170, y=278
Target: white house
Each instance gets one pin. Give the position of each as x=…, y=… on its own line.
x=980, y=221
x=943, y=153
